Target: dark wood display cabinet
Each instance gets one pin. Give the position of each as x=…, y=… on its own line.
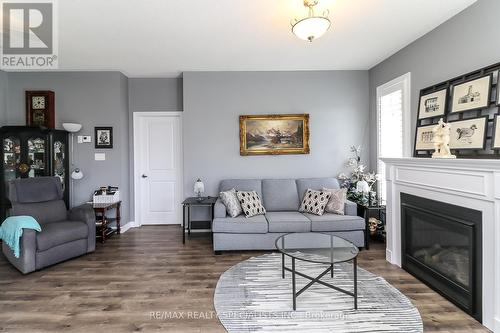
x=32, y=152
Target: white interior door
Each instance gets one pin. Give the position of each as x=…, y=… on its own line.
x=158, y=167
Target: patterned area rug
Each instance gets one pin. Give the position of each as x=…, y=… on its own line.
x=252, y=297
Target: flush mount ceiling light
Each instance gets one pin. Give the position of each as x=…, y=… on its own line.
x=312, y=26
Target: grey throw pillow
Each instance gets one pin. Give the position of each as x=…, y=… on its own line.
x=314, y=202
x=250, y=203
x=336, y=204
x=230, y=200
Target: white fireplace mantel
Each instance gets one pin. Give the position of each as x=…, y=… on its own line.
x=469, y=183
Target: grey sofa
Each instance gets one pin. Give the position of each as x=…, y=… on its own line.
x=281, y=198
x=64, y=234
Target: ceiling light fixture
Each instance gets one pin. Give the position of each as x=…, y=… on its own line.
x=312, y=26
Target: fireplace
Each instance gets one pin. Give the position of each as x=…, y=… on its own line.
x=441, y=245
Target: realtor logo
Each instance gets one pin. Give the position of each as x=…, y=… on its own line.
x=29, y=35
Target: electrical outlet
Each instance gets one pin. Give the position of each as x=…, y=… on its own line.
x=87, y=138
x=100, y=156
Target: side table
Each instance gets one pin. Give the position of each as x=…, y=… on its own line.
x=103, y=222
x=370, y=211
x=195, y=202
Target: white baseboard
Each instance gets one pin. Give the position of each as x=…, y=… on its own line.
x=388, y=255
x=127, y=226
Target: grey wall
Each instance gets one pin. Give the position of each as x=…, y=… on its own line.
x=92, y=99
x=466, y=42
x=337, y=102
x=3, y=97
x=150, y=95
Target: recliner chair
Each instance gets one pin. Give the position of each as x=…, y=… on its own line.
x=65, y=234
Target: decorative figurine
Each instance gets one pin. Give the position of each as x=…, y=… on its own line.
x=441, y=140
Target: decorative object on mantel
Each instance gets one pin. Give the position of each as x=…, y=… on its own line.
x=274, y=134
x=40, y=109
x=313, y=26
x=471, y=104
x=359, y=183
x=198, y=189
x=441, y=140
x=103, y=137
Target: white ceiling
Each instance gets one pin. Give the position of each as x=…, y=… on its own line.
x=162, y=38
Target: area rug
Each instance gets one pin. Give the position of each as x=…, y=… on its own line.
x=252, y=297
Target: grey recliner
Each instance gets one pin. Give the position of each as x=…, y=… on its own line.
x=65, y=234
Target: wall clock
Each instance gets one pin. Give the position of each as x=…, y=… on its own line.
x=40, y=108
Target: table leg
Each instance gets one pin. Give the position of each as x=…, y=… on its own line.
x=331, y=270
x=355, y=265
x=118, y=219
x=103, y=226
x=293, y=285
x=367, y=229
x=189, y=220
x=212, y=222
x=183, y=224
x=282, y=265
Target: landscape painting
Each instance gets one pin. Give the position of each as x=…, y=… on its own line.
x=274, y=134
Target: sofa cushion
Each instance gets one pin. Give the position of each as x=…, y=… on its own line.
x=241, y=225
x=250, y=203
x=230, y=200
x=241, y=185
x=288, y=222
x=336, y=204
x=58, y=233
x=303, y=184
x=315, y=202
x=334, y=222
x=42, y=212
x=280, y=195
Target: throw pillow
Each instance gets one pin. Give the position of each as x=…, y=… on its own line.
x=250, y=203
x=230, y=200
x=337, y=201
x=314, y=202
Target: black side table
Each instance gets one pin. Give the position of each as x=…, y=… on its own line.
x=370, y=211
x=194, y=202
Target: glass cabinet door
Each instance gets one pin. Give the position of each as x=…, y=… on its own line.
x=12, y=157
x=59, y=160
x=36, y=157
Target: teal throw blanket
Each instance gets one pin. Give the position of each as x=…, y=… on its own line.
x=11, y=230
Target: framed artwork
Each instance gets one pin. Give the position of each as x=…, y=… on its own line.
x=498, y=89
x=103, y=137
x=495, y=140
x=468, y=133
x=471, y=95
x=274, y=134
x=424, y=139
x=433, y=104
x=40, y=109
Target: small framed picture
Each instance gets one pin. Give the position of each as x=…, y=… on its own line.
x=433, y=104
x=471, y=95
x=495, y=140
x=103, y=137
x=425, y=138
x=469, y=133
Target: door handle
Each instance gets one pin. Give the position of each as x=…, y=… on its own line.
x=144, y=176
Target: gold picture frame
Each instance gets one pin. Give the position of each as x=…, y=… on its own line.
x=274, y=134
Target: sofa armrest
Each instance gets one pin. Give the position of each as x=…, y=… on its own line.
x=85, y=213
x=350, y=208
x=219, y=209
x=26, y=263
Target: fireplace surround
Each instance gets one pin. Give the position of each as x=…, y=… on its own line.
x=441, y=245
x=468, y=183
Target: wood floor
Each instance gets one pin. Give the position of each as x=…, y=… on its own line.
x=134, y=281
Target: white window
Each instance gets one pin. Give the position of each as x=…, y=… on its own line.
x=393, y=124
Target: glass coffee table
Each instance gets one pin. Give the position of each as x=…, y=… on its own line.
x=322, y=249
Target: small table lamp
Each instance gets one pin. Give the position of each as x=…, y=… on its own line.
x=199, y=188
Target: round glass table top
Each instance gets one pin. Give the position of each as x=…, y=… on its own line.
x=316, y=247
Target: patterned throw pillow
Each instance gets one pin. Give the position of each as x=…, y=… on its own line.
x=250, y=203
x=230, y=200
x=337, y=201
x=314, y=202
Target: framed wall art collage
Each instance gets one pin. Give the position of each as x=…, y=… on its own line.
x=470, y=103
